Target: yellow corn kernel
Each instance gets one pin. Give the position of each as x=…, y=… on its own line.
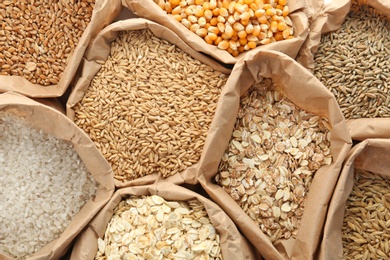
x=199, y=2
x=277, y=18
x=208, y=40
x=262, y=36
x=177, y=10
x=229, y=30
x=243, y=41
x=233, y=45
x=174, y=3
x=215, y=11
x=252, y=45
x=249, y=28
x=213, y=4
x=214, y=21
x=286, y=11
x=190, y=2
x=251, y=38
x=206, y=6
x=223, y=12
x=267, y=6
x=225, y=3
x=236, y=16
x=262, y=19
x=270, y=12
x=225, y=37
x=213, y=29
x=290, y=37
x=189, y=11
x=279, y=7
x=278, y=36
x=186, y=23
x=212, y=36
x=218, y=40
x=282, y=26
x=177, y=17
x=238, y=27
x=248, y=2
x=245, y=22
x=286, y=33
x=207, y=26
x=259, y=13
x=245, y=16
x=274, y=26
x=221, y=27
x=202, y=21
x=242, y=34
x=265, y=41
x=230, y=50
x=183, y=3
x=259, y=4
x=168, y=7
x=253, y=6
x=239, y=8
x=223, y=45
x=231, y=19
x=194, y=27
x=198, y=12
x=264, y=27
x=202, y=32
x=231, y=7
x=235, y=53
x=192, y=18
x=282, y=2
x=256, y=30
x=208, y=14
x=221, y=19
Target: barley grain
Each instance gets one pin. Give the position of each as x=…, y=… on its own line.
x=149, y=107
x=357, y=56
x=365, y=227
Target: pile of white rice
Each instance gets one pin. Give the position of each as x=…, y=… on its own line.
x=43, y=185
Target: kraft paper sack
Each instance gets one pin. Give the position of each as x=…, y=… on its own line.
x=306, y=92
x=51, y=121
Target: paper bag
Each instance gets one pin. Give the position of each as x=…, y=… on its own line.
x=58, y=125
x=305, y=91
x=100, y=49
x=233, y=244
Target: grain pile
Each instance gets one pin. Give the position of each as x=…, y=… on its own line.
x=273, y=154
x=149, y=107
x=235, y=26
x=149, y=227
x=366, y=223
x=43, y=185
x=354, y=63
x=38, y=37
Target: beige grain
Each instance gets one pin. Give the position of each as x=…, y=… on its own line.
x=273, y=154
x=149, y=107
x=367, y=218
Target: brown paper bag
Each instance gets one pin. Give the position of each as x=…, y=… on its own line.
x=381, y=5
x=324, y=16
x=104, y=13
x=57, y=124
x=365, y=128
x=233, y=244
x=303, y=89
x=148, y=9
x=370, y=155
x=100, y=49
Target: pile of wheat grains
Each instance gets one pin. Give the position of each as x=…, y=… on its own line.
x=150, y=106
x=38, y=37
